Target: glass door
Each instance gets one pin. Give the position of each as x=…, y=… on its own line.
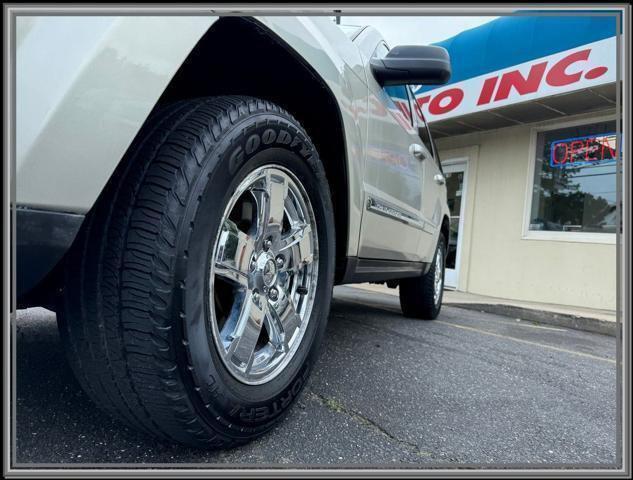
x=455, y=173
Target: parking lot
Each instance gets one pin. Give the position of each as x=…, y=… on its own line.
x=468, y=388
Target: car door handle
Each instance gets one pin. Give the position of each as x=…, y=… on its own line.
x=417, y=151
x=439, y=179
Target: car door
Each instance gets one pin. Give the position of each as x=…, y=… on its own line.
x=392, y=224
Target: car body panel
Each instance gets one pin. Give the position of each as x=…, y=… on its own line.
x=77, y=112
x=114, y=72
x=85, y=86
x=334, y=57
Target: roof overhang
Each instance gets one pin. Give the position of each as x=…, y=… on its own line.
x=587, y=100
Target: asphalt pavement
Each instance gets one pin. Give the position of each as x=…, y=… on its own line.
x=469, y=389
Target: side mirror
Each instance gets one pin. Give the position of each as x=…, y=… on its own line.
x=412, y=65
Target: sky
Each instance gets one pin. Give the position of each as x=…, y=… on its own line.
x=421, y=30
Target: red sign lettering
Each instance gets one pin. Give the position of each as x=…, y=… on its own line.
x=515, y=83
x=583, y=150
x=454, y=96
x=487, y=90
x=558, y=76
x=523, y=86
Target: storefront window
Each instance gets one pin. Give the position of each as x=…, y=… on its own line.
x=575, y=180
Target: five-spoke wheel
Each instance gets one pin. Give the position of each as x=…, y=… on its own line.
x=263, y=276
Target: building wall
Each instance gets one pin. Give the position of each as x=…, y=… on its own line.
x=495, y=259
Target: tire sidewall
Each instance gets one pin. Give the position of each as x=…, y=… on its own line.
x=440, y=250
x=259, y=140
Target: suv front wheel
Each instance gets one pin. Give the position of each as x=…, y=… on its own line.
x=197, y=292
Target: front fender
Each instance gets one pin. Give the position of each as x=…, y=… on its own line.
x=84, y=87
x=338, y=62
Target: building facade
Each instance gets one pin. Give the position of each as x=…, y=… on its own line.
x=527, y=135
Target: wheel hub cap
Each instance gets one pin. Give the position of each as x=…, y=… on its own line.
x=263, y=276
x=438, y=279
x=269, y=272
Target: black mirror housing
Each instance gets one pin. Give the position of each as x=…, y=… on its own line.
x=412, y=65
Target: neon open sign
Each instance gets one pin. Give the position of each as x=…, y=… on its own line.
x=583, y=150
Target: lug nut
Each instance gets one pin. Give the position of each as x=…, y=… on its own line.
x=267, y=244
x=280, y=260
x=273, y=294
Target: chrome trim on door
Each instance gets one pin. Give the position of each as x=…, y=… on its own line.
x=390, y=211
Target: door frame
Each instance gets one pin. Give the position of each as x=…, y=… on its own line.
x=446, y=165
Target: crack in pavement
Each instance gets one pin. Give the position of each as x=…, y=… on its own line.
x=336, y=406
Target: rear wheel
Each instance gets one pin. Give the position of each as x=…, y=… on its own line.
x=198, y=290
x=421, y=297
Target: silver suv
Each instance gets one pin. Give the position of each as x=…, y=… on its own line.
x=189, y=190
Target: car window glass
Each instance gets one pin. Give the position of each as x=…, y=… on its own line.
x=381, y=51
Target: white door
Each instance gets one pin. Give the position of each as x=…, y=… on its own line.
x=455, y=171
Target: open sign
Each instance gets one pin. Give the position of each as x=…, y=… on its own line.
x=583, y=150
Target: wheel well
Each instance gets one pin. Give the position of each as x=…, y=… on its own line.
x=240, y=56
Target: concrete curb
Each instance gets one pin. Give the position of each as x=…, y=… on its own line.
x=587, y=324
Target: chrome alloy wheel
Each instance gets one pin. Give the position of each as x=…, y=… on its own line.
x=438, y=279
x=263, y=276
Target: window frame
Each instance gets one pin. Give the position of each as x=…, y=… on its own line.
x=414, y=105
x=582, y=237
x=378, y=45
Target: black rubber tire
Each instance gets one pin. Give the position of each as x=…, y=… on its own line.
x=133, y=316
x=416, y=293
